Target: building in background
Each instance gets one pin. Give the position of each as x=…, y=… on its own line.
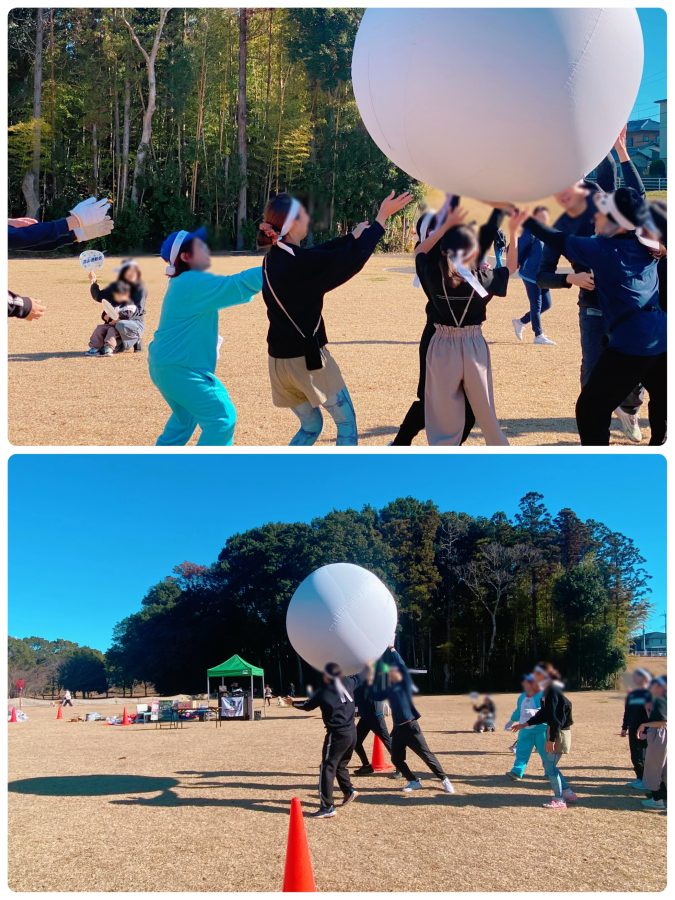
x=651, y=643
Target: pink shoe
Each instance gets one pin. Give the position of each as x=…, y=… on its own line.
x=555, y=803
x=569, y=796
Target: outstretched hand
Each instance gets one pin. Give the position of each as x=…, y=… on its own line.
x=392, y=205
x=360, y=228
x=517, y=218
x=21, y=222
x=455, y=217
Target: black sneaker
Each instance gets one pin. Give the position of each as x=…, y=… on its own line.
x=324, y=812
x=350, y=797
x=514, y=777
x=364, y=770
x=138, y=346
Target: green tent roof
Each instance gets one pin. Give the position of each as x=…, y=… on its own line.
x=235, y=665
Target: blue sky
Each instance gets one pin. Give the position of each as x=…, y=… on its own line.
x=88, y=535
x=653, y=86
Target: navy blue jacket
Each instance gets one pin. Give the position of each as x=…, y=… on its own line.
x=399, y=696
x=42, y=236
x=530, y=251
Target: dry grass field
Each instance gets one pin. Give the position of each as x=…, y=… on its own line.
x=59, y=397
x=98, y=808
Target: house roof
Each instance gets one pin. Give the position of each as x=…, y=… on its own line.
x=642, y=125
x=649, y=634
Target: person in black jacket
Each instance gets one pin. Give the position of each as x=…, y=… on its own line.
x=371, y=718
x=635, y=714
x=28, y=308
x=335, y=699
x=131, y=329
x=556, y=713
x=406, y=733
x=303, y=374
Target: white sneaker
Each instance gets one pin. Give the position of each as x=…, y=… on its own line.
x=412, y=786
x=518, y=327
x=629, y=424
x=542, y=339
x=447, y=786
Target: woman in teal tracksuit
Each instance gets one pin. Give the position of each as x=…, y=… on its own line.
x=529, y=739
x=183, y=353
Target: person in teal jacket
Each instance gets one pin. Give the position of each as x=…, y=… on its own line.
x=183, y=353
x=529, y=739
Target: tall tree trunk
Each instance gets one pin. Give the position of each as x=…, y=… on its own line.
x=146, y=131
x=200, y=120
x=126, y=135
x=241, y=127
x=94, y=153
x=31, y=181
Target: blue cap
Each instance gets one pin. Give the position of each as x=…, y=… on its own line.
x=167, y=244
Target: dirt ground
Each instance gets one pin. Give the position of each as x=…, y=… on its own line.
x=100, y=808
x=59, y=397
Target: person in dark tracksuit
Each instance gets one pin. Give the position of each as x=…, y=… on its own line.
x=626, y=281
x=530, y=252
x=371, y=719
x=578, y=219
x=335, y=699
x=406, y=733
x=635, y=714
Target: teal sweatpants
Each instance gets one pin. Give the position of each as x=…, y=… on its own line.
x=196, y=399
x=529, y=739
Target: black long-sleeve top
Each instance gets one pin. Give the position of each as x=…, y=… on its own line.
x=555, y=711
x=635, y=708
x=429, y=267
x=584, y=226
x=131, y=312
x=18, y=307
x=399, y=696
x=335, y=713
x=301, y=282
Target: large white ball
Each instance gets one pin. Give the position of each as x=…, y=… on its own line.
x=497, y=104
x=341, y=613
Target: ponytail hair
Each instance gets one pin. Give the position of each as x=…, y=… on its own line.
x=273, y=220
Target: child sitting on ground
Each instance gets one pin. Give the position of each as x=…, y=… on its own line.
x=117, y=304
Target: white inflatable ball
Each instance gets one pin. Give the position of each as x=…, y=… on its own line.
x=497, y=103
x=341, y=613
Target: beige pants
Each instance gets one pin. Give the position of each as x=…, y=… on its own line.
x=458, y=365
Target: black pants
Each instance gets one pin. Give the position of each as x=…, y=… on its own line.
x=413, y=422
x=410, y=736
x=661, y=794
x=614, y=375
x=338, y=747
x=637, y=752
x=66, y=702
x=364, y=726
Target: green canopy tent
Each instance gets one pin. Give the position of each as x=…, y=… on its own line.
x=236, y=667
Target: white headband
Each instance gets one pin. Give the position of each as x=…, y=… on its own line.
x=125, y=265
x=291, y=216
x=467, y=275
x=175, y=250
x=424, y=224
x=607, y=204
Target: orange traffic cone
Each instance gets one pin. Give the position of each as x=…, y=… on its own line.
x=379, y=760
x=59, y=712
x=298, y=874
x=13, y=718
x=125, y=718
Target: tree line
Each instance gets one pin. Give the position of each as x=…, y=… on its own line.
x=188, y=116
x=480, y=599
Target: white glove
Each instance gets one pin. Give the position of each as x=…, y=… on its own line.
x=91, y=211
x=91, y=232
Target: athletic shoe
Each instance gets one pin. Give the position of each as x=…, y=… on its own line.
x=518, y=327
x=138, y=346
x=653, y=804
x=542, y=339
x=364, y=770
x=396, y=775
x=629, y=424
x=324, y=812
x=411, y=786
x=107, y=351
x=92, y=351
x=350, y=797
x=447, y=786
x=555, y=803
x=514, y=777
x=569, y=796
x=636, y=785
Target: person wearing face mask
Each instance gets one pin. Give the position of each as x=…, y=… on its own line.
x=621, y=256
x=655, y=732
x=578, y=219
x=458, y=359
x=335, y=699
x=556, y=714
x=304, y=376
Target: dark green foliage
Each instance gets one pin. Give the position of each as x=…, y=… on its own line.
x=84, y=671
